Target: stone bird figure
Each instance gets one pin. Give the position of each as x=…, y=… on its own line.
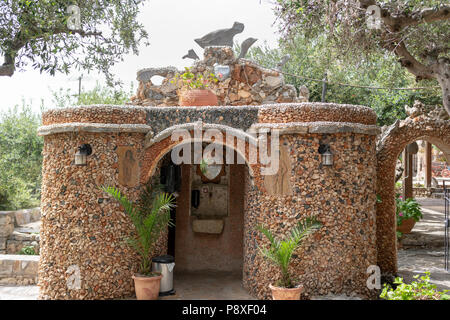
x=191, y=55
x=245, y=46
x=283, y=61
x=222, y=37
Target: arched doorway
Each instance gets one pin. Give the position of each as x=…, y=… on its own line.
x=421, y=244
x=390, y=146
x=207, y=240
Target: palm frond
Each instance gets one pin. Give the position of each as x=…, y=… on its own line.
x=280, y=251
x=150, y=217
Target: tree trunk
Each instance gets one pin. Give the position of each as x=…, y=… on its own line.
x=8, y=68
x=443, y=77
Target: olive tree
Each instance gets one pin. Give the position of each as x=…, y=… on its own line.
x=417, y=32
x=56, y=35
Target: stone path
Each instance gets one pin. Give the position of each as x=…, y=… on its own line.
x=423, y=248
x=19, y=292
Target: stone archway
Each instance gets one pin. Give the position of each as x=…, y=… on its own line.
x=197, y=251
x=390, y=146
x=234, y=139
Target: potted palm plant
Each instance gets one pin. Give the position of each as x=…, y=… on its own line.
x=408, y=212
x=280, y=253
x=195, y=88
x=150, y=217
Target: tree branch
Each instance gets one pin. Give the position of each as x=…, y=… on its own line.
x=8, y=68
x=399, y=22
x=417, y=68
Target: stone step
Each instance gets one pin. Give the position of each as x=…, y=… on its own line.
x=18, y=269
x=24, y=216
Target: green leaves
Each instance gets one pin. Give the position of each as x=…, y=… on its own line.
x=150, y=218
x=195, y=81
x=37, y=33
x=280, y=251
x=406, y=209
x=422, y=289
x=20, y=159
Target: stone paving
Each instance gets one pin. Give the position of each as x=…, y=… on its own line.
x=208, y=286
x=19, y=292
x=423, y=248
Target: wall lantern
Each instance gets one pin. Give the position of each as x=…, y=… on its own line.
x=327, y=156
x=81, y=156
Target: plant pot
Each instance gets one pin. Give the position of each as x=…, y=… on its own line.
x=279, y=293
x=406, y=226
x=198, y=97
x=147, y=288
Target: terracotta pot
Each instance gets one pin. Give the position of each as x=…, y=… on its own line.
x=279, y=293
x=147, y=288
x=406, y=225
x=198, y=97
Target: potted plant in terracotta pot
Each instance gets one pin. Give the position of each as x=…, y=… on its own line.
x=195, y=88
x=150, y=218
x=408, y=213
x=280, y=253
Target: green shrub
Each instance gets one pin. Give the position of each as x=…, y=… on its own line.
x=280, y=251
x=28, y=250
x=150, y=218
x=20, y=158
x=416, y=290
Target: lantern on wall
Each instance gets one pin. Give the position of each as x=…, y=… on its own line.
x=327, y=156
x=81, y=156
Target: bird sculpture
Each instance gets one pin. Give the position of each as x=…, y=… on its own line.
x=222, y=37
x=283, y=61
x=245, y=46
x=191, y=55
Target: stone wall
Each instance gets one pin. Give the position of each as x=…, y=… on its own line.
x=389, y=146
x=83, y=227
x=18, y=269
x=342, y=197
x=13, y=237
x=248, y=83
x=6, y=228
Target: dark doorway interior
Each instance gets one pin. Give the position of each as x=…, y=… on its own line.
x=171, y=180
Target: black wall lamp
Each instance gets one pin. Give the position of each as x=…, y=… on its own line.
x=81, y=156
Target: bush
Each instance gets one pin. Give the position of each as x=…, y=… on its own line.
x=20, y=158
x=417, y=290
x=28, y=250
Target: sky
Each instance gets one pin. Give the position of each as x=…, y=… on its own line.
x=172, y=26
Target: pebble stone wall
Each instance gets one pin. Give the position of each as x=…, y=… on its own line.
x=342, y=198
x=391, y=144
x=82, y=227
